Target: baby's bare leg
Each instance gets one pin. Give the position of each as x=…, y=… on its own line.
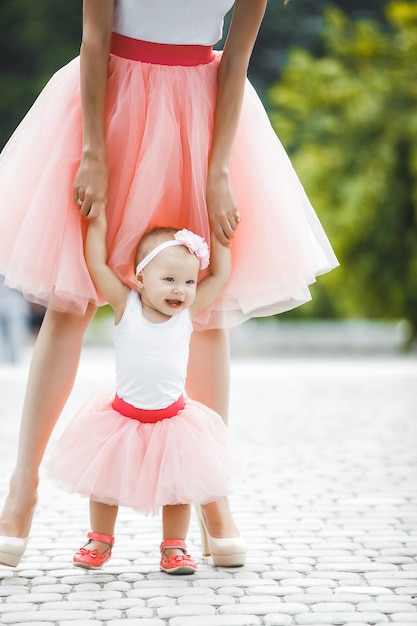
x=175, y=523
x=103, y=520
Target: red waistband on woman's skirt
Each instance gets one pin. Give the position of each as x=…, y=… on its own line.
x=148, y=416
x=160, y=53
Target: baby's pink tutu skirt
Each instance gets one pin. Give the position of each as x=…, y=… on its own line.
x=120, y=461
x=159, y=129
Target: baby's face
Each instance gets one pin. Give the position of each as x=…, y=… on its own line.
x=168, y=283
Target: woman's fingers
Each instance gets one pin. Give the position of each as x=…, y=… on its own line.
x=95, y=210
x=225, y=229
x=88, y=207
x=220, y=234
x=78, y=195
x=90, y=187
x=232, y=224
x=234, y=221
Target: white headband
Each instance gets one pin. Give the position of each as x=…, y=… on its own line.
x=152, y=254
x=184, y=237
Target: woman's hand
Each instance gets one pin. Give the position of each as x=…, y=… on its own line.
x=90, y=187
x=231, y=80
x=222, y=208
x=91, y=180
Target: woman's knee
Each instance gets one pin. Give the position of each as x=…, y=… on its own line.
x=57, y=322
x=211, y=336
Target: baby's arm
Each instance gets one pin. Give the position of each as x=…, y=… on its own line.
x=106, y=282
x=220, y=269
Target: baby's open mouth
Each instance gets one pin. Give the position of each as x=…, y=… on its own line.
x=174, y=303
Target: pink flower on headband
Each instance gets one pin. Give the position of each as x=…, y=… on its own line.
x=195, y=244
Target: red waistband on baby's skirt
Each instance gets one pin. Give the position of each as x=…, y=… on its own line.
x=160, y=53
x=147, y=416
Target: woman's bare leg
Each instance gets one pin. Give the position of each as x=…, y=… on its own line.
x=51, y=377
x=208, y=381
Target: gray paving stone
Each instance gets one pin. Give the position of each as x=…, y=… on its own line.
x=45, y=616
x=394, y=583
x=357, y=567
x=277, y=619
x=398, y=598
x=310, y=582
x=368, y=590
x=352, y=577
x=70, y=605
x=36, y=598
x=401, y=623
x=407, y=591
x=135, y=622
x=387, y=607
x=11, y=607
x=90, y=622
x=140, y=612
x=217, y=620
x=324, y=607
x=340, y=618
x=329, y=598
x=196, y=610
x=207, y=598
x=9, y=590
x=255, y=608
x=107, y=615
x=41, y=624
x=168, y=592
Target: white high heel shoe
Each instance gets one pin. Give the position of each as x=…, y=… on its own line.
x=224, y=551
x=11, y=550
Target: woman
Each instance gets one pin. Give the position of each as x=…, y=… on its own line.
x=153, y=127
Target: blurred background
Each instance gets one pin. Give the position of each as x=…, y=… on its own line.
x=339, y=81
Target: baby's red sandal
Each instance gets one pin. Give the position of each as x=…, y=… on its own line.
x=93, y=559
x=179, y=564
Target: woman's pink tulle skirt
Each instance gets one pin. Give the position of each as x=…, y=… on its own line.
x=159, y=129
x=120, y=461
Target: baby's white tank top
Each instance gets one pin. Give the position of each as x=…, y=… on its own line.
x=197, y=22
x=151, y=359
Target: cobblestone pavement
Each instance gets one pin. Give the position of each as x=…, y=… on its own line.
x=327, y=501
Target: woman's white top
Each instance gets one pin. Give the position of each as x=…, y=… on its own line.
x=151, y=359
x=198, y=22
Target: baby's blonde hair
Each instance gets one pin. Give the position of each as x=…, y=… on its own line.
x=152, y=238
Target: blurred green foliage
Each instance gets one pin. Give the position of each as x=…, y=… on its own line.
x=37, y=37
x=299, y=23
x=348, y=120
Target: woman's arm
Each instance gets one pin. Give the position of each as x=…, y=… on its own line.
x=212, y=285
x=244, y=28
x=90, y=184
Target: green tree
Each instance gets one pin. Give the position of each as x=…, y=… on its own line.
x=36, y=39
x=299, y=23
x=348, y=120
